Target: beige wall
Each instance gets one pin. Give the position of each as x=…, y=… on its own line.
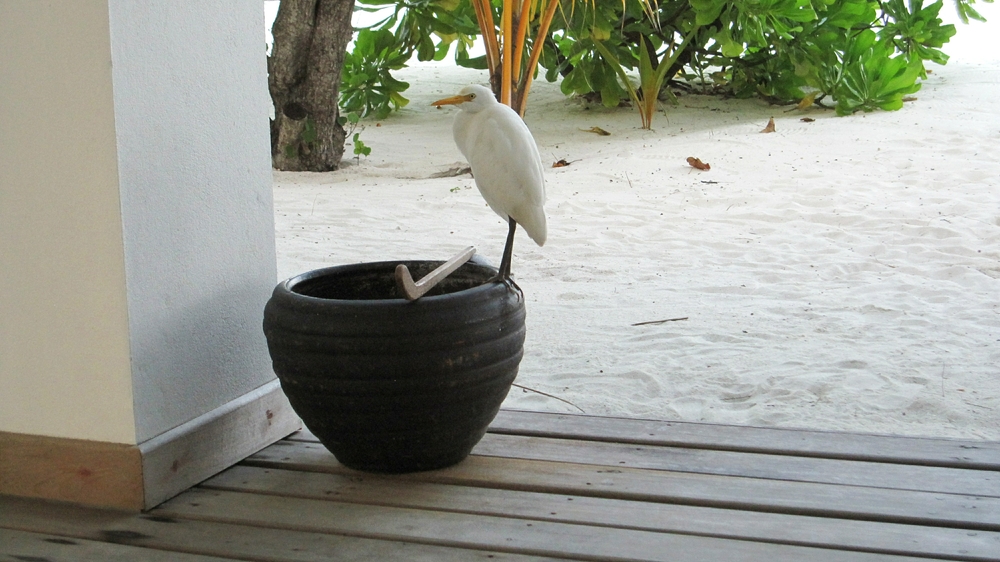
x=136, y=247
x=136, y=219
x=64, y=341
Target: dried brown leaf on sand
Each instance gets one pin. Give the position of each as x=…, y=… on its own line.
x=561, y=163
x=597, y=130
x=770, y=126
x=697, y=163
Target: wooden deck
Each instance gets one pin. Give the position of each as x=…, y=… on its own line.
x=564, y=487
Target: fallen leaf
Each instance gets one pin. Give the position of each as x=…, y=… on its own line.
x=910, y=98
x=770, y=126
x=697, y=163
x=561, y=163
x=597, y=130
x=807, y=119
x=807, y=101
x=452, y=172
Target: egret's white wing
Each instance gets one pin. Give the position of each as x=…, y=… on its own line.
x=507, y=167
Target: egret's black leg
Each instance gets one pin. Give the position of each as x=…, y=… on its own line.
x=508, y=252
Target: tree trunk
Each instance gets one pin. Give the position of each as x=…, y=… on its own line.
x=310, y=39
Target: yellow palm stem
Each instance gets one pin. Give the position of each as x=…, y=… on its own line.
x=507, y=35
x=532, y=9
x=536, y=52
x=484, y=16
x=523, y=21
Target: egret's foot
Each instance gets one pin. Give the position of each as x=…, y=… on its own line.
x=506, y=281
x=511, y=285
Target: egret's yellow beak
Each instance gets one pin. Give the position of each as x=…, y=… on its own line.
x=453, y=100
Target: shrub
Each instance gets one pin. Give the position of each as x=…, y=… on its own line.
x=862, y=54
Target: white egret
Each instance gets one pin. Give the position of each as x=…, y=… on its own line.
x=505, y=163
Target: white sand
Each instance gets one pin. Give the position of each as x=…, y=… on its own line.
x=842, y=274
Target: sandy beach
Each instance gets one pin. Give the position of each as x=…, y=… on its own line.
x=840, y=274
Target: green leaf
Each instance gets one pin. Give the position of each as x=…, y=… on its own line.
x=478, y=63
x=901, y=80
x=707, y=11
x=360, y=149
x=846, y=14
x=398, y=100
x=730, y=48
x=616, y=65
x=796, y=10
x=967, y=12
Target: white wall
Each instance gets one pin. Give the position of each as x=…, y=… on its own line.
x=191, y=106
x=64, y=350
x=136, y=223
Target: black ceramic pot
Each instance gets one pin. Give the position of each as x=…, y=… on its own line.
x=390, y=385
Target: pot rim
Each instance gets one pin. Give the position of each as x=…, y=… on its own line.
x=287, y=286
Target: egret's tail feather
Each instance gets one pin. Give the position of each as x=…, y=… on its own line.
x=536, y=227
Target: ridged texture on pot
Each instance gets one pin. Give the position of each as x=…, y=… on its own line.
x=389, y=385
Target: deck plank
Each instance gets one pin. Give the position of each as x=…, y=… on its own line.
x=957, y=453
x=711, y=522
x=43, y=547
x=158, y=531
x=753, y=465
x=732, y=463
x=709, y=490
x=542, y=538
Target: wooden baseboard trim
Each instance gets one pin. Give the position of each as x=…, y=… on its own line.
x=186, y=455
x=137, y=477
x=72, y=470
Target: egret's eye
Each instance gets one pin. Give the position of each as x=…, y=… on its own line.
x=472, y=96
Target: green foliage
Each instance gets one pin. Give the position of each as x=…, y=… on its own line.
x=967, y=12
x=367, y=87
x=872, y=78
x=917, y=32
x=360, y=148
x=652, y=73
x=425, y=28
x=863, y=54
